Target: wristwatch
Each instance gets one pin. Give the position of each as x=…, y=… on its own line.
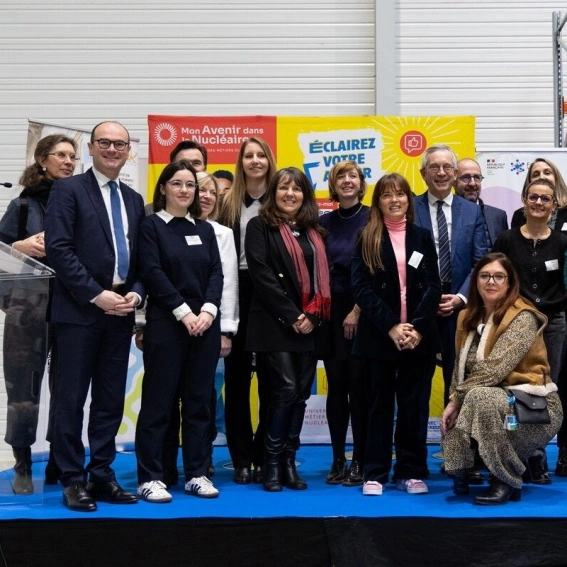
x=228, y=335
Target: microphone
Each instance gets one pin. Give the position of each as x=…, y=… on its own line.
x=8, y=185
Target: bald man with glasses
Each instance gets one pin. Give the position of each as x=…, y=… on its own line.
x=468, y=184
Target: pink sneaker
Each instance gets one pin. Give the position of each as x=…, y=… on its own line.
x=372, y=488
x=412, y=486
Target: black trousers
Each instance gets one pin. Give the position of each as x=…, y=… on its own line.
x=291, y=377
x=94, y=355
x=176, y=365
x=347, y=398
x=244, y=446
x=403, y=381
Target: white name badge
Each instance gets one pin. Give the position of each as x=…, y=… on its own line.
x=415, y=259
x=564, y=227
x=193, y=240
x=552, y=265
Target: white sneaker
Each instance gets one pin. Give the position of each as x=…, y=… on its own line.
x=202, y=487
x=154, y=491
x=372, y=488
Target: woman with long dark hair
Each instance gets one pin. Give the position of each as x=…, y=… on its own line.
x=396, y=285
x=499, y=345
x=288, y=266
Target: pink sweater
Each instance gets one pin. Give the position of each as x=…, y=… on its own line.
x=397, y=232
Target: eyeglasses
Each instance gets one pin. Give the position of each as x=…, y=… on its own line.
x=468, y=178
x=434, y=168
x=178, y=185
x=105, y=143
x=63, y=155
x=498, y=278
x=545, y=199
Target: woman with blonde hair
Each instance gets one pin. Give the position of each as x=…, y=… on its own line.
x=255, y=167
x=346, y=378
x=542, y=168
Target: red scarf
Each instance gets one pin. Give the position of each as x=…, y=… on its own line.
x=320, y=304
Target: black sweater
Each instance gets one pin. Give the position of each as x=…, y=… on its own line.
x=180, y=263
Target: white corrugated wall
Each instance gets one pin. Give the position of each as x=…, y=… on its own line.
x=490, y=59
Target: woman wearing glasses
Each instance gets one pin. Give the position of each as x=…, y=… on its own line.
x=500, y=345
x=22, y=228
x=538, y=254
x=180, y=266
x=542, y=168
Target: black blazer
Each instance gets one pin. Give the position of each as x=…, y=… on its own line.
x=378, y=296
x=276, y=301
x=79, y=246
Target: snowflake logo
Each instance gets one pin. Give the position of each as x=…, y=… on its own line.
x=517, y=167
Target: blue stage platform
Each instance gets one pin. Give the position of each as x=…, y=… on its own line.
x=324, y=525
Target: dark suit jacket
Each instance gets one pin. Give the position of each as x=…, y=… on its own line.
x=468, y=237
x=79, y=246
x=496, y=221
x=378, y=296
x=276, y=302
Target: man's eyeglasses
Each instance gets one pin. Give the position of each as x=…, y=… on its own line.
x=498, y=278
x=545, y=199
x=468, y=178
x=178, y=185
x=63, y=155
x=105, y=143
x=434, y=168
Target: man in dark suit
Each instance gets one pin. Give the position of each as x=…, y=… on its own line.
x=440, y=211
x=468, y=185
x=91, y=237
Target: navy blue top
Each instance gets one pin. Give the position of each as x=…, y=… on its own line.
x=344, y=227
x=179, y=262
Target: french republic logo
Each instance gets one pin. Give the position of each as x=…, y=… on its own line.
x=413, y=143
x=165, y=134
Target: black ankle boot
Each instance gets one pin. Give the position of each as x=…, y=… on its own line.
x=460, y=485
x=535, y=471
x=338, y=472
x=22, y=483
x=290, y=477
x=272, y=478
x=498, y=493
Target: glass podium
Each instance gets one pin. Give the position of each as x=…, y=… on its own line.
x=24, y=296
